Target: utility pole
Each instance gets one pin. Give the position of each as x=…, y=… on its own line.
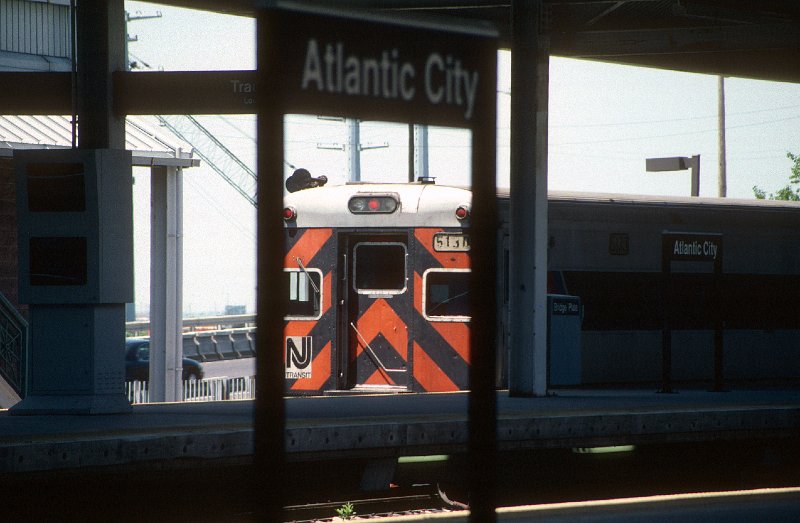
x=135, y=38
x=417, y=152
x=353, y=147
x=421, y=151
x=722, y=179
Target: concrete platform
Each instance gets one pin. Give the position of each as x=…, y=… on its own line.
x=329, y=428
x=774, y=505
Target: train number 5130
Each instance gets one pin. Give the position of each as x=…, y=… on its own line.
x=447, y=242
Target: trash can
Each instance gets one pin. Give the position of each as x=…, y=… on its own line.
x=564, y=316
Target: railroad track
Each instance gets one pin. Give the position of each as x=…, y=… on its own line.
x=430, y=501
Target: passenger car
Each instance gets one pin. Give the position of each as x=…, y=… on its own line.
x=137, y=362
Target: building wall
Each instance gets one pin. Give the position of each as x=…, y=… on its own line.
x=35, y=35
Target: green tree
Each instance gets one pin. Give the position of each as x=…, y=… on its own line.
x=791, y=191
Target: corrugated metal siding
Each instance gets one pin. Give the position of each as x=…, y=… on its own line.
x=143, y=134
x=36, y=28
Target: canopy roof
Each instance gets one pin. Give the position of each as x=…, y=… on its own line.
x=728, y=37
x=150, y=144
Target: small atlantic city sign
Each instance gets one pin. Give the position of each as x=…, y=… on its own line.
x=428, y=74
x=679, y=246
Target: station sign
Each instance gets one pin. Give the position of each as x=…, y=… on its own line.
x=421, y=73
x=185, y=92
x=678, y=246
x=565, y=306
x=690, y=247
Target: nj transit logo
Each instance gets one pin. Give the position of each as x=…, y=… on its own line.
x=298, y=357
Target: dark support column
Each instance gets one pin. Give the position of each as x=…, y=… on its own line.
x=528, y=252
x=719, y=346
x=719, y=324
x=270, y=419
x=679, y=247
x=101, y=51
x=483, y=297
x=666, y=329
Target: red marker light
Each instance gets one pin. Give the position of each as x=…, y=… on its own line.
x=386, y=204
x=462, y=212
x=289, y=214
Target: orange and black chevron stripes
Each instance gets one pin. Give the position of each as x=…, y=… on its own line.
x=299, y=327
x=307, y=246
x=440, y=359
x=428, y=374
x=418, y=293
x=422, y=353
x=316, y=252
x=457, y=336
x=380, y=377
x=381, y=319
x=449, y=260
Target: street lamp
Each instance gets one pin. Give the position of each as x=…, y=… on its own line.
x=678, y=163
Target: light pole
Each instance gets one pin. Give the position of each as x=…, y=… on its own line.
x=678, y=163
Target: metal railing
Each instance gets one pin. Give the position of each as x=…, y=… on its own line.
x=211, y=338
x=13, y=346
x=217, y=345
x=209, y=389
x=191, y=325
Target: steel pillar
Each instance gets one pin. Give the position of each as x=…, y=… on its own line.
x=100, y=37
x=528, y=250
x=166, y=282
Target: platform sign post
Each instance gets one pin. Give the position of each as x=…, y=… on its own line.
x=383, y=67
x=690, y=247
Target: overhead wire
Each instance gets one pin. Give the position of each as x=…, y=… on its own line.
x=676, y=120
x=198, y=187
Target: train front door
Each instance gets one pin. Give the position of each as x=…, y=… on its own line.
x=378, y=312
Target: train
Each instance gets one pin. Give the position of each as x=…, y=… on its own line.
x=378, y=283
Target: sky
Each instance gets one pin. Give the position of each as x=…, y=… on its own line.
x=604, y=121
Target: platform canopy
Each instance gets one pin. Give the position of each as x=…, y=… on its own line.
x=151, y=145
x=741, y=38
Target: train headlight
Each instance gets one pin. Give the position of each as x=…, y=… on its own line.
x=378, y=204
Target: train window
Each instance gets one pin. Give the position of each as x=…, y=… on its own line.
x=380, y=268
x=446, y=294
x=305, y=293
